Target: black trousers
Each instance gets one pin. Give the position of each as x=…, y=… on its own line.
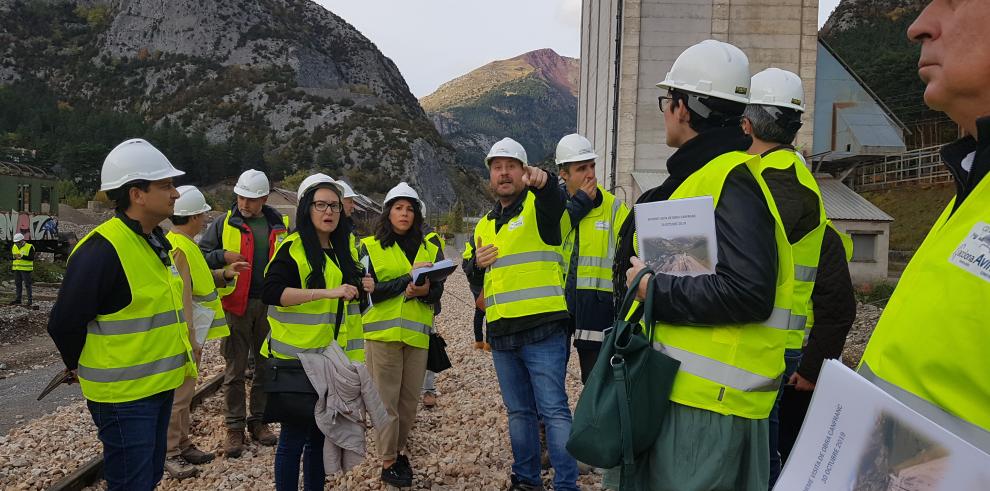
x=25, y=278
x=587, y=359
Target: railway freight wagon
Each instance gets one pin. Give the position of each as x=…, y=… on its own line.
x=29, y=205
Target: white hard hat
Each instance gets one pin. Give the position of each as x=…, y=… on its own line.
x=134, y=160
x=18, y=237
x=507, y=147
x=191, y=202
x=776, y=87
x=711, y=68
x=348, y=192
x=403, y=190
x=574, y=148
x=313, y=180
x=252, y=184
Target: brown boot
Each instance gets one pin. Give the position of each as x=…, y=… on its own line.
x=479, y=345
x=262, y=434
x=234, y=444
x=487, y=347
x=429, y=400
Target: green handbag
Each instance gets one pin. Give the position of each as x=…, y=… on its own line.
x=619, y=412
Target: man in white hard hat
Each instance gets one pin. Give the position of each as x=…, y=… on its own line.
x=118, y=321
x=249, y=232
x=727, y=329
x=23, y=265
x=349, y=196
x=821, y=273
x=517, y=251
x=189, y=220
x=929, y=348
x=591, y=228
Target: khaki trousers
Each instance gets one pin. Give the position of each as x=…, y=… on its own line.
x=181, y=419
x=397, y=370
x=247, y=333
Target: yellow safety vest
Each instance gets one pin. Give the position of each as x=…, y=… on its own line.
x=22, y=264
x=929, y=349
x=307, y=327
x=733, y=369
x=847, y=246
x=204, y=291
x=142, y=349
x=526, y=277
x=807, y=250
x=598, y=234
x=353, y=323
x=396, y=319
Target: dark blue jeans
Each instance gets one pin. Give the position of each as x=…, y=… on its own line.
x=294, y=441
x=792, y=358
x=531, y=379
x=134, y=437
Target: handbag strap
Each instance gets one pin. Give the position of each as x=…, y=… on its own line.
x=630, y=297
x=618, y=364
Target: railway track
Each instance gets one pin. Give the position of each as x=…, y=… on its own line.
x=92, y=471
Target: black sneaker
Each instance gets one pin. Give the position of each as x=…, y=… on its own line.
x=403, y=467
x=516, y=485
x=393, y=476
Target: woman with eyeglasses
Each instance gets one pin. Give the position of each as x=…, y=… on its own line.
x=397, y=326
x=312, y=273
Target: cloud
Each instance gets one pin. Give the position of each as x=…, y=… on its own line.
x=569, y=13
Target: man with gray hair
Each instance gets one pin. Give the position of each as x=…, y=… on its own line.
x=822, y=287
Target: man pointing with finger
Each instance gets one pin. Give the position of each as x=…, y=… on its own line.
x=518, y=251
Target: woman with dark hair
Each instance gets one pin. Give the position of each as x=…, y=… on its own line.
x=311, y=274
x=397, y=326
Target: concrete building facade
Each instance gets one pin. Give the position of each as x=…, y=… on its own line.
x=650, y=34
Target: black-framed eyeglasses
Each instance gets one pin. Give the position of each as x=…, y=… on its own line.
x=664, y=98
x=322, y=206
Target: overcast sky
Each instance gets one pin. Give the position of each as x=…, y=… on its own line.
x=433, y=41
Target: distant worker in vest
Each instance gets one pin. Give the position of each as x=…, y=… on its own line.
x=929, y=349
x=518, y=253
x=475, y=284
x=249, y=232
x=118, y=320
x=397, y=326
x=308, y=284
x=353, y=327
x=23, y=265
x=189, y=220
x=728, y=329
x=821, y=273
x=590, y=228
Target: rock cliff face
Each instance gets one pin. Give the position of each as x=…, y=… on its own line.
x=287, y=74
x=531, y=98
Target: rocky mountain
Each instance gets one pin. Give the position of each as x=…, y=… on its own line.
x=871, y=36
x=531, y=98
x=290, y=81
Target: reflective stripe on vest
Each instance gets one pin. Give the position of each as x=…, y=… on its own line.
x=931, y=339
x=307, y=327
x=595, y=238
x=731, y=369
x=585, y=335
x=395, y=319
x=142, y=349
x=527, y=277
x=203, y=285
x=22, y=264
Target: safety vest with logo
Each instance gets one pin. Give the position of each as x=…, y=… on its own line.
x=929, y=349
x=204, y=291
x=307, y=327
x=807, y=250
x=142, y=349
x=526, y=277
x=395, y=319
x=241, y=241
x=22, y=264
x=731, y=369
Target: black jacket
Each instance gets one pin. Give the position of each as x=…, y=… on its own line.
x=211, y=243
x=743, y=286
x=954, y=153
x=834, y=307
x=591, y=310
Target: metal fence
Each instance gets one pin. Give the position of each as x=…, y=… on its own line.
x=920, y=166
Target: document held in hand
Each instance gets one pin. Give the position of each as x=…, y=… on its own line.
x=857, y=437
x=677, y=237
x=438, y=272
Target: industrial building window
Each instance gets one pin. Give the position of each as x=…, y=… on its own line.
x=46, y=199
x=24, y=197
x=864, y=248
